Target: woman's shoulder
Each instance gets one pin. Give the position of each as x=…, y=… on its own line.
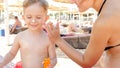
x=107, y=22
x=102, y=26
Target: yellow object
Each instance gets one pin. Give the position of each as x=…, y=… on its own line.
x=46, y=62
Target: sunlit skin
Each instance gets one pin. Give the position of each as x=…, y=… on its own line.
x=105, y=32
x=33, y=43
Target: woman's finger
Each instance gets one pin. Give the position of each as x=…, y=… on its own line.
x=47, y=28
x=57, y=26
x=51, y=26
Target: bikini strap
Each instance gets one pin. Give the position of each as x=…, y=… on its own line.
x=107, y=48
x=101, y=7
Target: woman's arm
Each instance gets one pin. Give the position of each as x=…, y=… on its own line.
x=96, y=46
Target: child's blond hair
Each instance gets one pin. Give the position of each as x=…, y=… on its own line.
x=42, y=3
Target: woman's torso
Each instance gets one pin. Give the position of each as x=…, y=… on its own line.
x=111, y=12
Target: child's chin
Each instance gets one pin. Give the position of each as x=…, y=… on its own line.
x=34, y=28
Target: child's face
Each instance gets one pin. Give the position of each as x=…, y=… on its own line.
x=35, y=16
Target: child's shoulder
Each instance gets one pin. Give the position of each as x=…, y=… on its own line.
x=21, y=34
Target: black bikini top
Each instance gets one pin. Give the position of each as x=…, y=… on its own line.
x=101, y=7
x=107, y=48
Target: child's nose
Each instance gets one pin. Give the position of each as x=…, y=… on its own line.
x=33, y=21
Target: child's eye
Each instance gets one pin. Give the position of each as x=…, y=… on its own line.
x=39, y=17
x=29, y=17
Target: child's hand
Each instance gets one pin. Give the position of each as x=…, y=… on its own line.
x=50, y=66
x=49, y=63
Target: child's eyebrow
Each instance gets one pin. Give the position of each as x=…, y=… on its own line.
x=39, y=15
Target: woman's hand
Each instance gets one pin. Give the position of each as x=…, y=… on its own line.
x=53, y=31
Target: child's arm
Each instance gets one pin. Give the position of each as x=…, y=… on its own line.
x=52, y=55
x=11, y=54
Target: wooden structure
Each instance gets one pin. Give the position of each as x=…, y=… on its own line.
x=63, y=1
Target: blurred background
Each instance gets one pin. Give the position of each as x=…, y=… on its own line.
x=71, y=20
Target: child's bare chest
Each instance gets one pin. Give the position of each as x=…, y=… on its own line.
x=36, y=44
